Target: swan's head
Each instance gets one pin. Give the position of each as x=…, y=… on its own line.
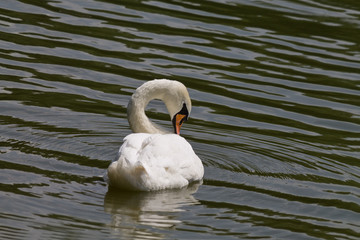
x=178, y=103
x=179, y=118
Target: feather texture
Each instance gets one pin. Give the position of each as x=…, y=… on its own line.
x=154, y=162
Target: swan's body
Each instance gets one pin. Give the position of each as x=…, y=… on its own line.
x=150, y=158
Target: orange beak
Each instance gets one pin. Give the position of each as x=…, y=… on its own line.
x=179, y=120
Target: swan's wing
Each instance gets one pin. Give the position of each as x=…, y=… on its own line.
x=170, y=155
x=125, y=171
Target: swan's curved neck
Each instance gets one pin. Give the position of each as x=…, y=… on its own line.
x=139, y=122
x=156, y=89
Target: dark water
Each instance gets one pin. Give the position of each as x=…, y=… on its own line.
x=275, y=119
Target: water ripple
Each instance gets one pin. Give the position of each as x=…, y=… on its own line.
x=275, y=118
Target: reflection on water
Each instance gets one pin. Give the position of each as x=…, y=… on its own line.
x=132, y=213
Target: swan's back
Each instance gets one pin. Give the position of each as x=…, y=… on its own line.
x=153, y=162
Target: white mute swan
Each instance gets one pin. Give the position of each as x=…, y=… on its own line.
x=150, y=158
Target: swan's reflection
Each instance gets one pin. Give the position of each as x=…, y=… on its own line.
x=137, y=215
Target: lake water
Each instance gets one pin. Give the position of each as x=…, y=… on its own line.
x=275, y=87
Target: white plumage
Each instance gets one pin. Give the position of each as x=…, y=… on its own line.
x=154, y=159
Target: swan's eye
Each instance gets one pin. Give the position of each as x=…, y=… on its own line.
x=184, y=110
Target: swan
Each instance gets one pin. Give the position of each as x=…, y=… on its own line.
x=151, y=158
